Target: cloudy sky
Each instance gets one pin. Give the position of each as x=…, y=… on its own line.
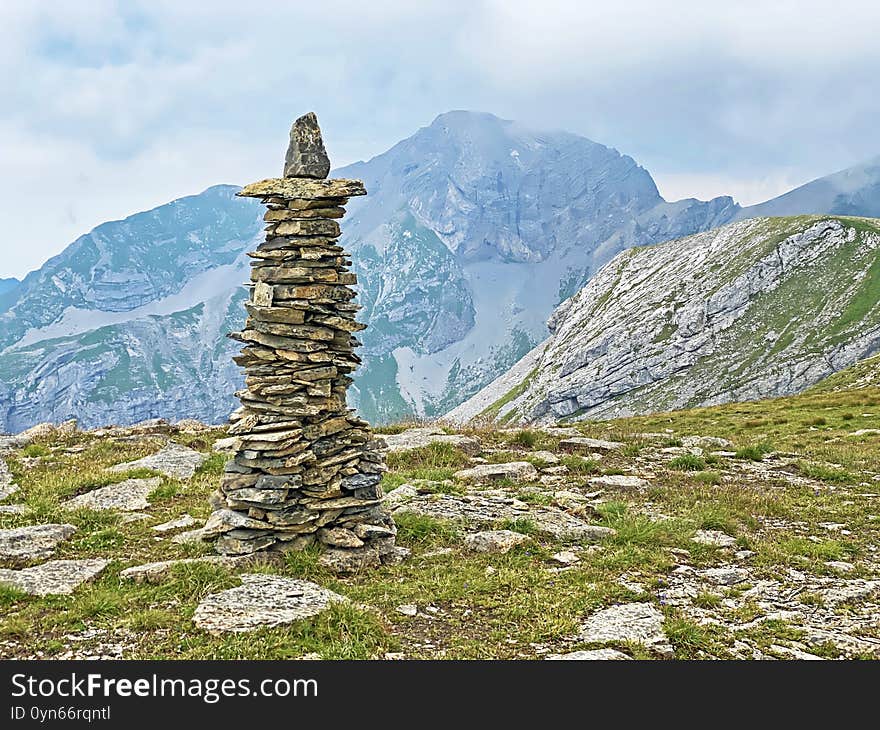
x=110, y=107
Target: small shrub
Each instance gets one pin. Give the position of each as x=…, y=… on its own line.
x=755, y=452
x=34, y=450
x=687, y=462
x=526, y=438
x=432, y=456
x=580, y=465
x=848, y=416
x=523, y=525
x=833, y=475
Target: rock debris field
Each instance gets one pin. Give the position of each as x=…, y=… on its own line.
x=605, y=542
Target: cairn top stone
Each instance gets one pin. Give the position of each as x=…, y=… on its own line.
x=300, y=187
x=306, y=156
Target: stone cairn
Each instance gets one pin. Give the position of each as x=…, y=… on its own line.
x=306, y=468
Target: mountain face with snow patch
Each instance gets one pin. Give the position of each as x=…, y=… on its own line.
x=756, y=309
x=473, y=231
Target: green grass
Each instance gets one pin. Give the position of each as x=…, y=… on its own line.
x=687, y=462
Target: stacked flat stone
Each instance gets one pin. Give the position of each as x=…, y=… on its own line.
x=306, y=468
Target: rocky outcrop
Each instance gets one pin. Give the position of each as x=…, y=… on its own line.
x=761, y=308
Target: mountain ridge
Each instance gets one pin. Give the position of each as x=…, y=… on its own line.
x=463, y=250
x=758, y=308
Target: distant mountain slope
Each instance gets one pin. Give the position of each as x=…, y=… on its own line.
x=854, y=191
x=759, y=308
x=864, y=374
x=527, y=218
x=475, y=228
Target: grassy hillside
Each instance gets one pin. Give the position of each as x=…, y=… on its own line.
x=795, y=494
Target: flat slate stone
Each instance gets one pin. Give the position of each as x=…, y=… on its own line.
x=520, y=471
x=484, y=509
x=494, y=541
x=173, y=460
x=13, y=509
x=299, y=187
x=619, y=481
x=32, y=542
x=591, y=655
x=55, y=577
x=640, y=623
x=582, y=443
x=127, y=496
x=714, y=538
x=262, y=600
x=176, y=524
x=415, y=438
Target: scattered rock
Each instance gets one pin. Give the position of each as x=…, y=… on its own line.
x=582, y=444
x=401, y=494
x=176, y=524
x=548, y=457
x=591, y=655
x=157, y=572
x=55, y=577
x=350, y=561
x=494, y=541
x=262, y=600
x=640, y=623
x=565, y=557
x=13, y=509
x=850, y=590
x=726, y=576
x=714, y=538
x=416, y=438
x=840, y=565
x=127, y=496
x=33, y=542
x=706, y=442
x=228, y=445
x=518, y=471
x=173, y=460
x=620, y=481
x=484, y=509
x=408, y=609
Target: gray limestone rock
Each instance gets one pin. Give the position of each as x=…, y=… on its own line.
x=414, y=438
x=591, y=655
x=520, y=471
x=640, y=623
x=33, y=542
x=176, y=524
x=306, y=156
x=173, y=460
x=55, y=577
x=620, y=481
x=714, y=538
x=484, y=509
x=494, y=541
x=127, y=496
x=262, y=600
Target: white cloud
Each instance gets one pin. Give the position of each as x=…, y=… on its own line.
x=108, y=108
